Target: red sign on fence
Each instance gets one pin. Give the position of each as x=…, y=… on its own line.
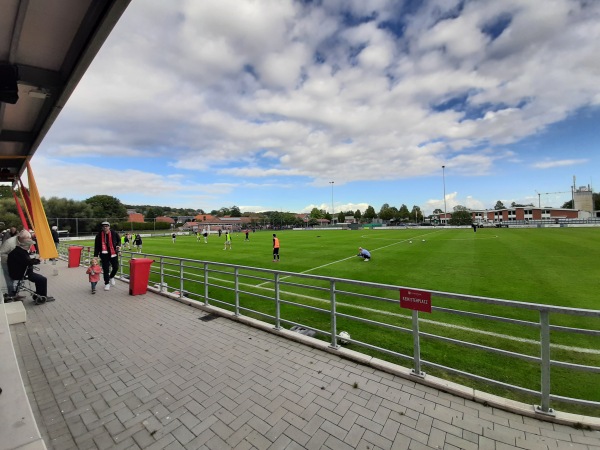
x=413, y=299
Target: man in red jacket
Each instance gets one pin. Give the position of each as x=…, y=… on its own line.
x=107, y=247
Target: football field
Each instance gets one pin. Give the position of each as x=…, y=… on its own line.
x=550, y=266
x=555, y=266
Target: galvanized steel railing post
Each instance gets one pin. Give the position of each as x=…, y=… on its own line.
x=205, y=284
x=416, y=345
x=180, y=278
x=237, y=291
x=333, y=318
x=161, y=274
x=544, y=408
x=277, y=305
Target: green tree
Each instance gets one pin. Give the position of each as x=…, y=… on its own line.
x=384, y=212
x=461, y=217
x=154, y=211
x=224, y=212
x=316, y=213
x=235, y=211
x=437, y=211
x=106, y=206
x=369, y=213
x=404, y=213
x=460, y=208
x=499, y=205
x=341, y=218
x=6, y=191
x=568, y=205
x=8, y=213
x=357, y=215
x=416, y=214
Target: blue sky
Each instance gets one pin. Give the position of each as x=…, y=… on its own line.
x=262, y=103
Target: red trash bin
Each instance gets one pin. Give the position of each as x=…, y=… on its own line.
x=139, y=274
x=75, y=255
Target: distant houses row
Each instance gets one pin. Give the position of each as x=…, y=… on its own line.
x=504, y=215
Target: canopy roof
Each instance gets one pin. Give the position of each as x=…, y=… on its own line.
x=51, y=44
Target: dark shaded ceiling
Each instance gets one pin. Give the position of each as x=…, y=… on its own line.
x=51, y=43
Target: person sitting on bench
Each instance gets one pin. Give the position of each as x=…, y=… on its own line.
x=19, y=262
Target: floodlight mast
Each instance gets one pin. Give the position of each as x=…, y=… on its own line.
x=444, y=180
x=332, y=210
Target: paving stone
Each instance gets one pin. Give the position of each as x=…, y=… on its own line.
x=149, y=379
x=437, y=438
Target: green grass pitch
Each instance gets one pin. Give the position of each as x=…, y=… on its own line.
x=549, y=266
x=554, y=266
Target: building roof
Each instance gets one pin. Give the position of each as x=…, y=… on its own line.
x=135, y=217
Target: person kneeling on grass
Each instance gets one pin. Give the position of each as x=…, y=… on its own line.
x=364, y=253
x=18, y=263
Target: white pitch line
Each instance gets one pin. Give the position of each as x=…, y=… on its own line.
x=449, y=325
x=441, y=324
x=429, y=321
x=352, y=257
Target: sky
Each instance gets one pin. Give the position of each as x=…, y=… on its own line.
x=335, y=104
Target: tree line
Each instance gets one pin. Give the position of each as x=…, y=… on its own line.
x=86, y=215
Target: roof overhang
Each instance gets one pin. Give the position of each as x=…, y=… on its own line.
x=51, y=44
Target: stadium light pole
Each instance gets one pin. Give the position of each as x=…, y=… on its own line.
x=332, y=210
x=444, y=181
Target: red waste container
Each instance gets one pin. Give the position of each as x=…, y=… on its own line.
x=75, y=255
x=139, y=273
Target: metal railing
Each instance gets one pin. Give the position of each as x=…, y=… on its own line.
x=512, y=337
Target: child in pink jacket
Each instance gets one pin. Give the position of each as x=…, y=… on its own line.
x=94, y=272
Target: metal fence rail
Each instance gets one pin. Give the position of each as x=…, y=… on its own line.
x=320, y=303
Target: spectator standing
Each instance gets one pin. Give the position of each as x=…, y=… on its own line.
x=174, y=236
x=107, y=247
x=55, y=238
x=11, y=232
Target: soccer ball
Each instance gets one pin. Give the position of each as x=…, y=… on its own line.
x=423, y=240
x=410, y=242
x=343, y=336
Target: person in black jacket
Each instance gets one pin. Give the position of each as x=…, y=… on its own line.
x=107, y=247
x=18, y=263
x=55, y=238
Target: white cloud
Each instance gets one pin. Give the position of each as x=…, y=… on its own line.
x=558, y=163
x=275, y=88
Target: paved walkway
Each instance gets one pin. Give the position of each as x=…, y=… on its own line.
x=113, y=371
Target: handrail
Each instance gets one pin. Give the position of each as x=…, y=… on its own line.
x=240, y=287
